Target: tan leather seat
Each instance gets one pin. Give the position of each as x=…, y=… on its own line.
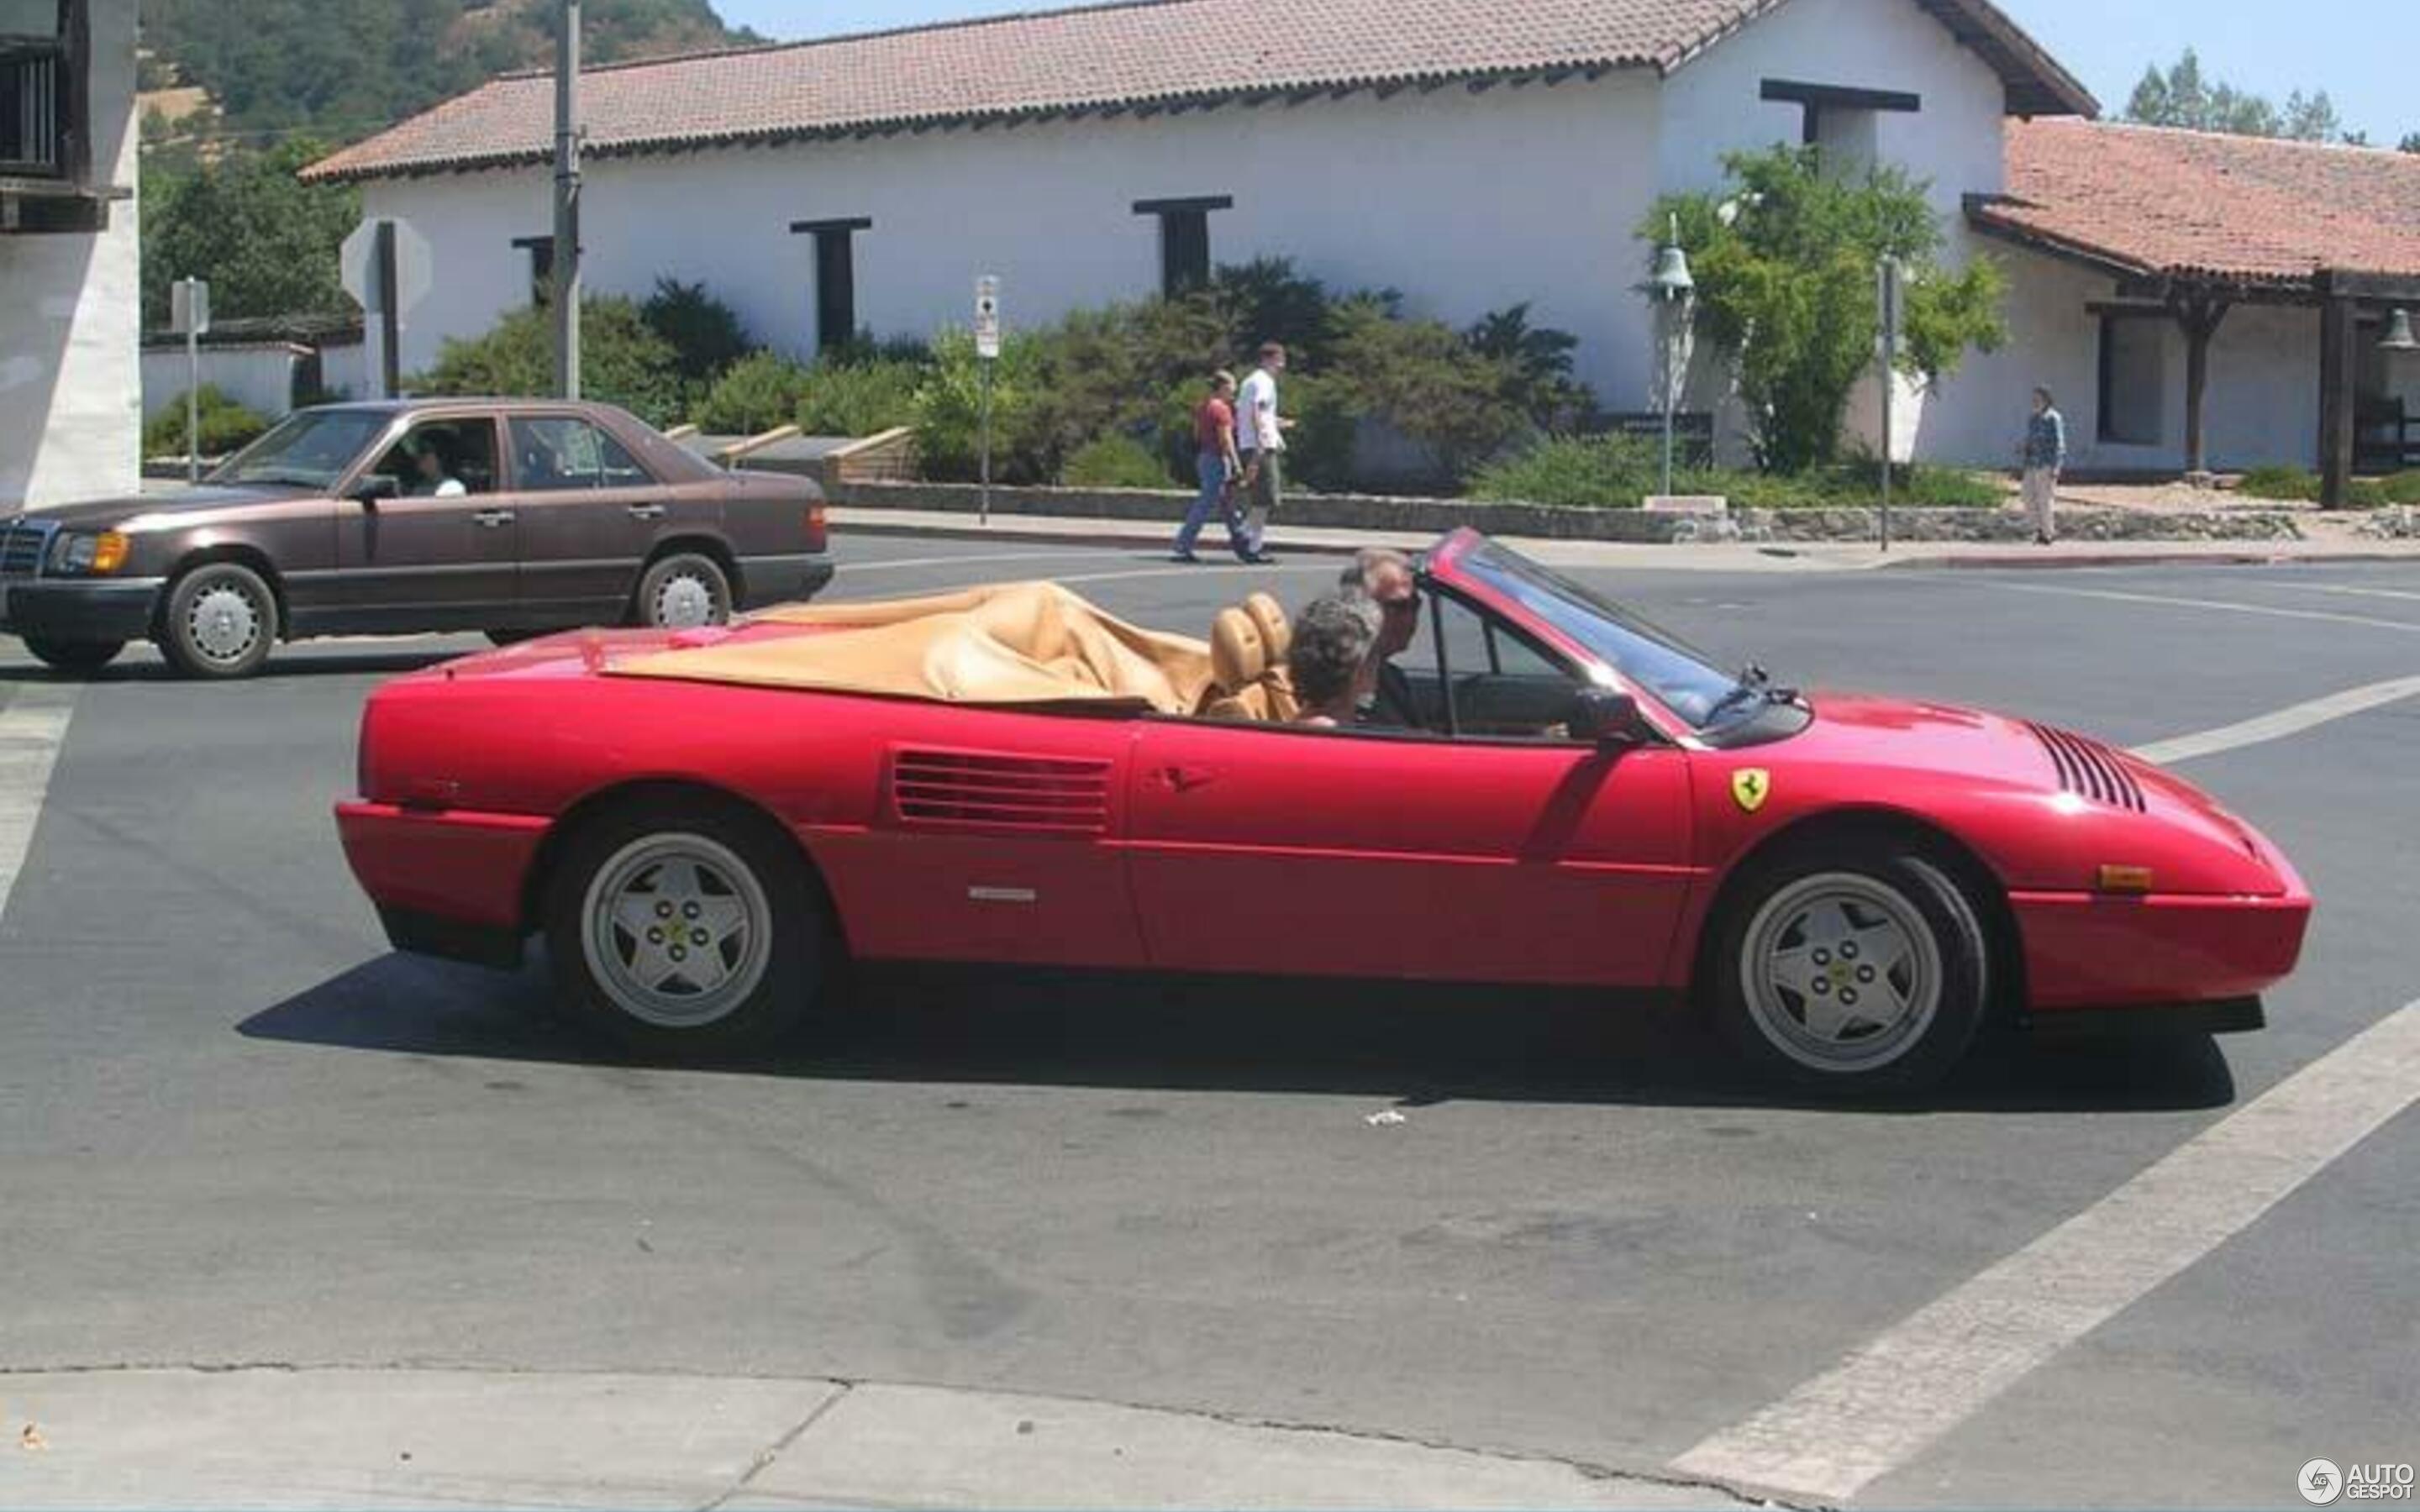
x=1249, y=678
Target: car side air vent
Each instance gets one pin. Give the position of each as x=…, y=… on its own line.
x=975, y=789
x=2090, y=769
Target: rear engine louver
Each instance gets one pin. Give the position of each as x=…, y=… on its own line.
x=2090, y=769
x=962, y=790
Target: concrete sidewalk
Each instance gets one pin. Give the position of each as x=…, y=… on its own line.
x=320, y=1437
x=1153, y=537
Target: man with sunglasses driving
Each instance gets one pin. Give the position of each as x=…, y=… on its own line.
x=1387, y=580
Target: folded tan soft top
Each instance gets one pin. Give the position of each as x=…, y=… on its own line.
x=1013, y=643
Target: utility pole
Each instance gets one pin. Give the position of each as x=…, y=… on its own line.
x=567, y=202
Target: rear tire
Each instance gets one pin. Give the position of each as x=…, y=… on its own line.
x=78, y=658
x=1852, y=974
x=683, y=591
x=686, y=928
x=220, y=621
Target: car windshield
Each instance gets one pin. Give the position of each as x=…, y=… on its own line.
x=308, y=450
x=1684, y=679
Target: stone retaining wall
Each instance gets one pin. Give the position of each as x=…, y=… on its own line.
x=1424, y=518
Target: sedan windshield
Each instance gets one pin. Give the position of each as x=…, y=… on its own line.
x=1684, y=679
x=308, y=450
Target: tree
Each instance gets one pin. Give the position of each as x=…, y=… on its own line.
x=2182, y=97
x=265, y=242
x=1786, y=290
x=622, y=361
x=2411, y=142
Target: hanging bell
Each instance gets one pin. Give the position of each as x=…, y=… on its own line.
x=1673, y=279
x=2399, y=337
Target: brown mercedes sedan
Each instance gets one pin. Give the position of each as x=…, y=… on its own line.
x=506, y=516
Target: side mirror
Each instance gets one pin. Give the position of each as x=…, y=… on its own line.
x=1610, y=720
x=374, y=487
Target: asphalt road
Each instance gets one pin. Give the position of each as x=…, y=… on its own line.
x=235, y=1129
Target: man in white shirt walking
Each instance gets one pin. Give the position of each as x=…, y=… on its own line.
x=1260, y=440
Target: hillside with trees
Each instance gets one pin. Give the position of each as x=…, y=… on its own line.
x=262, y=87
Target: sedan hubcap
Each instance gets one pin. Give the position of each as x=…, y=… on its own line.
x=684, y=603
x=1840, y=972
x=224, y=622
x=678, y=931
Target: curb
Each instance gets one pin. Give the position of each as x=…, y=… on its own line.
x=1062, y=535
x=2151, y=558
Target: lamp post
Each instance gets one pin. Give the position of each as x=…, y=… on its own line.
x=1675, y=293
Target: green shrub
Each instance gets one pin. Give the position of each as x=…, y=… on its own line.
x=703, y=332
x=753, y=395
x=949, y=410
x=226, y=425
x=1620, y=471
x=2401, y=488
x=1116, y=462
x=862, y=398
x=622, y=361
x=2280, y=482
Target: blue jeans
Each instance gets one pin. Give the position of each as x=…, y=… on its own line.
x=1212, y=469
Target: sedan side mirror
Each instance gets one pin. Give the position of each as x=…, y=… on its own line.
x=377, y=486
x=1610, y=720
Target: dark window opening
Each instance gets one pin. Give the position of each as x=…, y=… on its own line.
x=541, y=257
x=2133, y=378
x=1184, y=240
x=835, y=279
x=41, y=88
x=1839, y=117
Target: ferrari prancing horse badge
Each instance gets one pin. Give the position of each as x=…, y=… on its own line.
x=1751, y=786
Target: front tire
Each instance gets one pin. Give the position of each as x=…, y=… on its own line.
x=1853, y=974
x=687, y=929
x=683, y=591
x=78, y=658
x=220, y=621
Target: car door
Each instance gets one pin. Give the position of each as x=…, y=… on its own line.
x=1414, y=854
x=439, y=551
x=589, y=513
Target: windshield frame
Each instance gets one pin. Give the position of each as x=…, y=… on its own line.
x=1495, y=574
x=228, y=474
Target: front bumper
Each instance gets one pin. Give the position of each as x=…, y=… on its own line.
x=2085, y=950
x=79, y=608
x=446, y=883
x=789, y=580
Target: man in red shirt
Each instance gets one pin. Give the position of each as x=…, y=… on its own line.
x=1214, y=444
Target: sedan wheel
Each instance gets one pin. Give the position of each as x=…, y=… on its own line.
x=681, y=593
x=1854, y=973
x=220, y=621
x=687, y=929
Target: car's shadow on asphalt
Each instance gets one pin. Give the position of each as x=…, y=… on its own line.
x=1417, y=1046
x=279, y=669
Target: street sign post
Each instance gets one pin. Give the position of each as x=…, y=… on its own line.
x=385, y=267
x=986, y=355
x=1891, y=291
x=189, y=313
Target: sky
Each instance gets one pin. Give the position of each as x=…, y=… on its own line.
x=2366, y=53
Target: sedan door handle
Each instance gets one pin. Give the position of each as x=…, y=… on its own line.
x=646, y=511
x=1186, y=779
x=492, y=518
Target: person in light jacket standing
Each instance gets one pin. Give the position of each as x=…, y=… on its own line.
x=1260, y=439
x=2045, y=458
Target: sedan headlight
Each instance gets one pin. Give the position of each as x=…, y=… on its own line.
x=78, y=552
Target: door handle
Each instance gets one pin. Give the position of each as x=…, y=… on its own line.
x=646, y=511
x=492, y=518
x=1186, y=779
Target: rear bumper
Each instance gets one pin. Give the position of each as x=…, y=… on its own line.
x=78, y=608
x=789, y=580
x=446, y=883
x=2090, y=951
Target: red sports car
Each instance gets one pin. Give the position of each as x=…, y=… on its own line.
x=1550, y=791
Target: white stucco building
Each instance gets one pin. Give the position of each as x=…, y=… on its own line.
x=71, y=399
x=1471, y=154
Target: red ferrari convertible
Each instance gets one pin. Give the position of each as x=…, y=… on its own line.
x=1549, y=790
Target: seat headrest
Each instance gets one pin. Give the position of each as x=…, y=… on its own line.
x=1239, y=654
x=1277, y=631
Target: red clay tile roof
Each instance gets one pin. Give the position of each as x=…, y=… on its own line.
x=2197, y=205
x=1147, y=54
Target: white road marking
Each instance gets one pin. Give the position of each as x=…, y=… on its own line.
x=31, y=729
x=2349, y=591
x=2284, y=722
x=1892, y=1398
x=2269, y=611
x=852, y=568
x=1206, y=570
